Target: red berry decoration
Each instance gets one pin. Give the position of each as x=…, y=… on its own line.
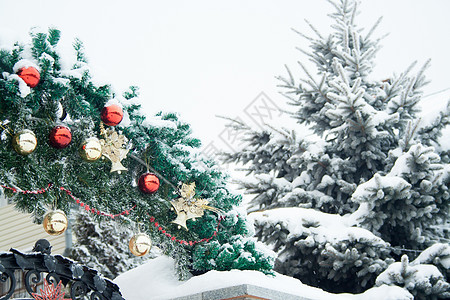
x=30, y=75
x=112, y=115
x=60, y=137
x=148, y=183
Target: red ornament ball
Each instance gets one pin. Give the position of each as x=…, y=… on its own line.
x=30, y=75
x=112, y=115
x=60, y=137
x=148, y=183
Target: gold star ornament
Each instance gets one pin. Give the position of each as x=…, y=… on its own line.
x=113, y=148
x=187, y=207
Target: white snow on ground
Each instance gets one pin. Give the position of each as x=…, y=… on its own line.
x=157, y=280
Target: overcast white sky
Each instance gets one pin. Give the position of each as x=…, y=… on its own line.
x=204, y=58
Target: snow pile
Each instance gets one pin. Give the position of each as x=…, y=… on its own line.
x=433, y=109
x=23, y=87
x=149, y=281
x=440, y=251
x=148, y=121
x=157, y=280
x=157, y=121
x=323, y=248
x=419, y=275
x=324, y=227
x=25, y=63
x=424, y=281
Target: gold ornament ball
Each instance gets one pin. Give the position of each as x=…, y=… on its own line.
x=55, y=222
x=24, y=142
x=140, y=244
x=91, y=149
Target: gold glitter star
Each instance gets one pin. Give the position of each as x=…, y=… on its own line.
x=187, y=207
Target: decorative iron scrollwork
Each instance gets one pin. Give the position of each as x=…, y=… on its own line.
x=96, y=296
x=6, y=274
x=53, y=278
x=32, y=277
x=83, y=281
x=78, y=290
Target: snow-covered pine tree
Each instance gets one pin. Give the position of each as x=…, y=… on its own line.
x=54, y=177
x=368, y=159
x=99, y=244
x=422, y=279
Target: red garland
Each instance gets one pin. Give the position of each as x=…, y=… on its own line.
x=125, y=212
x=40, y=191
x=183, y=242
x=93, y=210
x=78, y=201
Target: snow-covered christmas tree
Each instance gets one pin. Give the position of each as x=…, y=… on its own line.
x=361, y=180
x=56, y=123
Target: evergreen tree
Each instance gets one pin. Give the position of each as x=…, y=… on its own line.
x=66, y=95
x=100, y=245
x=368, y=159
x=423, y=280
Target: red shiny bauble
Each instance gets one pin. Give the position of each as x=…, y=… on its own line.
x=148, y=183
x=60, y=137
x=112, y=115
x=30, y=75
